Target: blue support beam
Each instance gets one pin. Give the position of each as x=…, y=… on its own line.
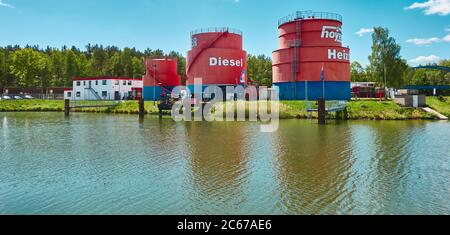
x=443, y=68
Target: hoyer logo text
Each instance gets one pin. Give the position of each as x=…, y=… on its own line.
x=213, y=61
x=332, y=32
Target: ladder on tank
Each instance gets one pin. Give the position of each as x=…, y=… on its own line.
x=296, y=44
x=201, y=48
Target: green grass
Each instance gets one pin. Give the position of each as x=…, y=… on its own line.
x=361, y=109
x=130, y=107
x=367, y=110
x=440, y=104
x=31, y=105
x=383, y=110
x=124, y=107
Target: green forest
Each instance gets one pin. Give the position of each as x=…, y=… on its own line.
x=32, y=66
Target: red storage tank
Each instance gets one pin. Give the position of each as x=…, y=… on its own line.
x=311, y=50
x=217, y=57
x=161, y=77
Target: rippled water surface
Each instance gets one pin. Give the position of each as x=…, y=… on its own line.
x=114, y=164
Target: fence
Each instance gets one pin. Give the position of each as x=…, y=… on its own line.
x=36, y=96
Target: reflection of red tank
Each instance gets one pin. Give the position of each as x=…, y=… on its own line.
x=161, y=76
x=310, y=42
x=216, y=56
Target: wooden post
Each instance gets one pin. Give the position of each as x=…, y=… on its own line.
x=345, y=113
x=321, y=111
x=141, y=108
x=66, y=107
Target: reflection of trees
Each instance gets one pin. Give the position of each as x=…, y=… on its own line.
x=313, y=163
x=218, y=165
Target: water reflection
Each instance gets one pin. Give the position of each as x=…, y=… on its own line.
x=313, y=164
x=218, y=164
x=115, y=164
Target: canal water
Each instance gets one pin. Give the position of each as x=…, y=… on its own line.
x=114, y=164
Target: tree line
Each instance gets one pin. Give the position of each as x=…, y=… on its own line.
x=32, y=66
x=410, y=76
x=385, y=61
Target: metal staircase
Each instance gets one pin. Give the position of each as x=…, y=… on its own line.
x=157, y=81
x=93, y=92
x=197, y=51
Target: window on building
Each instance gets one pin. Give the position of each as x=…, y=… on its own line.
x=104, y=94
x=124, y=82
x=69, y=94
x=78, y=83
x=117, y=82
x=90, y=83
x=105, y=82
x=96, y=82
x=84, y=83
x=129, y=83
x=78, y=94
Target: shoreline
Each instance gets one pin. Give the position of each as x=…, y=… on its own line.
x=356, y=110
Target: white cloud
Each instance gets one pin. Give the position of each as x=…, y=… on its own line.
x=363, y=31
x=4, y=4
x=423, y=41
x=429, y=41
x=432, y=7
x=426, y=59
x=446, y=38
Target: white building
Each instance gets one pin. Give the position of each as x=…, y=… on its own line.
x=103, y=88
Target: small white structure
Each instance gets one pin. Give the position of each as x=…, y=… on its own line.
x=103, y=88
x=363, y=84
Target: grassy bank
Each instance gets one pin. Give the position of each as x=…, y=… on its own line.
x=369, y=110
x=128, y=107
x=31, y=105
x=124, y=107
x=384, y=110
x=440, y=104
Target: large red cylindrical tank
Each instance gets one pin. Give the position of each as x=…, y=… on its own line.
x=311, y=50
x=216, y=56
x=160, y=78
x=162, y=72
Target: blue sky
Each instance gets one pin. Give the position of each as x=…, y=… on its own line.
x=422, y=27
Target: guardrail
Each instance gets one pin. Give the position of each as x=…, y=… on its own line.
x=216, y=30
x=309, y=15
x=35, y=96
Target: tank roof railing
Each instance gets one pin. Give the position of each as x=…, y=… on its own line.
x=301, y=15
x=216, y=30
